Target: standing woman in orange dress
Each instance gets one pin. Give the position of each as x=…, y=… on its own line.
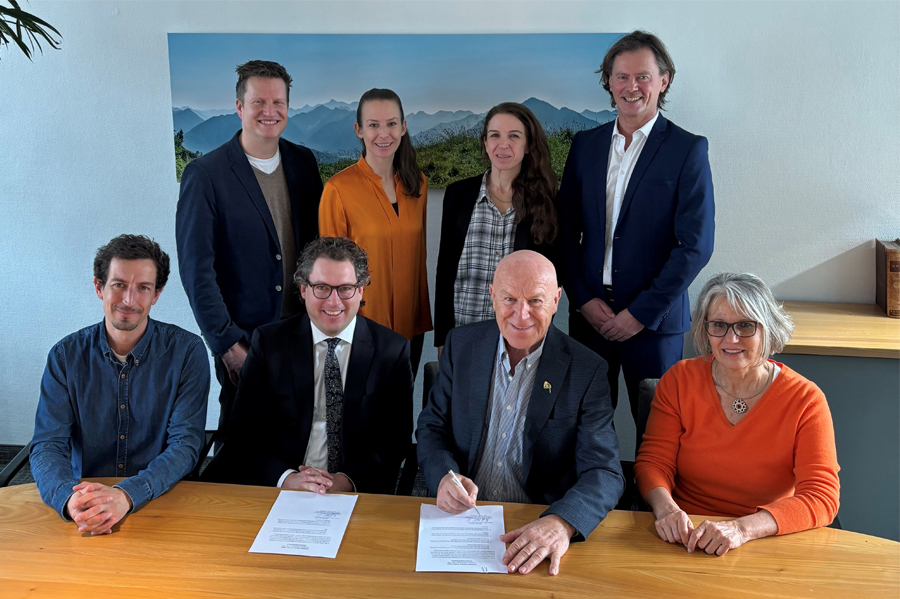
x=379, y=203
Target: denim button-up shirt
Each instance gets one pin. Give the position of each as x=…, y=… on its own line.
x=98, y=417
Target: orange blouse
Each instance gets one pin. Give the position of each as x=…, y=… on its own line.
x=354, y=205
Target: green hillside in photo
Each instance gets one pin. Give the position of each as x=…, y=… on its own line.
x=445, y=158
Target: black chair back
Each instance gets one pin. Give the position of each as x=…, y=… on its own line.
x=411, y=465
x=431, y=372
x=12, y=468
x=631, y=497
x=646, y=391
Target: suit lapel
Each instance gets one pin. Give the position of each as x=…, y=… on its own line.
x=555, y=361
x=302, y=366
x=484, y=357
x=657, y=134
x=244, y=173
x=466, y=206
x=598, y=166
x=292, y=177
x=362, y=353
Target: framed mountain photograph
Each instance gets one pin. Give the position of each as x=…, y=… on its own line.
x=446, y=83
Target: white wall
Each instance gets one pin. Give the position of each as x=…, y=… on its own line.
x=800, y=101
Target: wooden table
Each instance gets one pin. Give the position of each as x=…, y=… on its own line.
x=193, y=542
x=859, y=330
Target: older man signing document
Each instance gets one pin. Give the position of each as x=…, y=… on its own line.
x=522, y=412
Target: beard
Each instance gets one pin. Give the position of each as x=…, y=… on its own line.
x=128, y=325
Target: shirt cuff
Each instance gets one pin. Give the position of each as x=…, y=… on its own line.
x=130, y=498
x=64, y=511
x=287, y=472
x=138, y=491
x=351, y=481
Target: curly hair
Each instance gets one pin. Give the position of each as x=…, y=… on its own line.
x=132, y=247
x=339, y=249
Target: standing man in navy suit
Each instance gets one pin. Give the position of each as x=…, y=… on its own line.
x=636, y=220
x=244, y=212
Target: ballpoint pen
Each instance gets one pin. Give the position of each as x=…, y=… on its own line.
x=459, y=484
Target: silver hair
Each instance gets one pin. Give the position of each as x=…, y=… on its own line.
x=750, y=297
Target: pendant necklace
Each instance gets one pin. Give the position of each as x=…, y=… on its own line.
x=739, y=404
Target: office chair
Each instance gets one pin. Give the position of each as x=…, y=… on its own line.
x=411, y=465
x=10, y=470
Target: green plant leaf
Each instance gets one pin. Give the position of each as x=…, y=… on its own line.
x=28, y=31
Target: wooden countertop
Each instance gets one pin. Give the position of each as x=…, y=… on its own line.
x=860, y=330
x=193, y=542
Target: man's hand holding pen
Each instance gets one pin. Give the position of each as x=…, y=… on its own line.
x=453, y=499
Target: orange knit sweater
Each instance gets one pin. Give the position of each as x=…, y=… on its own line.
x=780, y=457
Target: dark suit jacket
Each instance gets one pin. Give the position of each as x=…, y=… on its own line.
x=570, y=451
x=273, y=411
x=664, y=235
x=229, y=257
x=459, y=203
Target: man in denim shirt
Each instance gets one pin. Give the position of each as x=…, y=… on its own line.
x=122, y=398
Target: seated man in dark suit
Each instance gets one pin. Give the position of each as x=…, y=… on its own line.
x=125, y=397
x=325, y=398
x=524, y=415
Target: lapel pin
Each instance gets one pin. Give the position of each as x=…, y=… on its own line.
x=548, y=387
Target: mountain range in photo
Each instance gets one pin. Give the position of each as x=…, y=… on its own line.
x=327, y=128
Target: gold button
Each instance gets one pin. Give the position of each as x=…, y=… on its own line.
x=122, y=436
x=136, y=361
x=122, y=406
x=121, y=466
x=123, y=375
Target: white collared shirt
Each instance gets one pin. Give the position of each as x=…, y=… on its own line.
x=618, y=173
x=317, y=447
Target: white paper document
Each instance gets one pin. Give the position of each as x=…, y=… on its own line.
x=308, y=524
x=463, y=542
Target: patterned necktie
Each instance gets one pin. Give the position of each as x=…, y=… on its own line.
x=334, y=404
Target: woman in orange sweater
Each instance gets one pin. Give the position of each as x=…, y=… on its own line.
x=379, y=203
x=732, y=433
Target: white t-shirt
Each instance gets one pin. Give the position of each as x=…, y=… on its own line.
x=266, y=165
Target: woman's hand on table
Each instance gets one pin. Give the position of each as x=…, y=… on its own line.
x=674, y=526
x=717, y=537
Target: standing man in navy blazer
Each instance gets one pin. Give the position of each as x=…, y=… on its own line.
x=522, y=413
x=244, y=212
x=636, y=220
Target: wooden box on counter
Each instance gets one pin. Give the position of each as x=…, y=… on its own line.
x=887, y=276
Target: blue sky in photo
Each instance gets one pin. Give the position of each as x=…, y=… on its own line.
x=429, y=72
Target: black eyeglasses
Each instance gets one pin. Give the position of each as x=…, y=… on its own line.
x=323, y=291
x=717, y=328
